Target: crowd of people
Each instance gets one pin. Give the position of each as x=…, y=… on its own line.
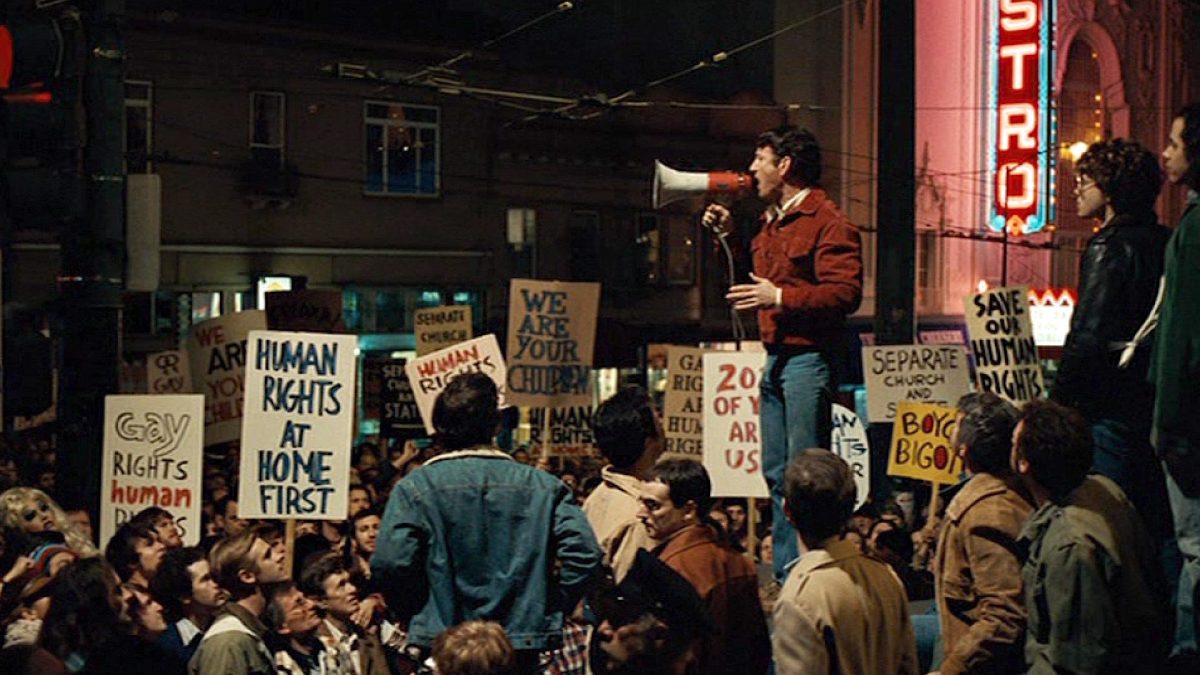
x=1054, y=554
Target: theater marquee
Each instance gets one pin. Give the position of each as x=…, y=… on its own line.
x=1020, y=116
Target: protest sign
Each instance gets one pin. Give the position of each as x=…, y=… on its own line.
x=168, y=373
x=570, y=429
x=922, y=443
x=153, y=449
x=314, y=311
x=298, y=427
x=683, y=403
x=732, y=443
x=1006, y=355
x=430, y=374
x=849, y=441
x=440, y=327
x=388, y=396
x=931, y=374
x=551, y=333
x=217, y=355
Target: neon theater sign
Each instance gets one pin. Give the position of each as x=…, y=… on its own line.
x=1020, y=118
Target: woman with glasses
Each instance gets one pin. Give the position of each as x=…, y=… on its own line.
x=1117, y=183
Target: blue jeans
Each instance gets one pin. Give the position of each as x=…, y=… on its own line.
x=1124, y=454
x=1187, y=534
x=796, y=414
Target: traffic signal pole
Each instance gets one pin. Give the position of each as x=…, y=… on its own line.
x=93, y=251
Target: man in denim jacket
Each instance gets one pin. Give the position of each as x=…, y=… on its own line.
x=473, y=534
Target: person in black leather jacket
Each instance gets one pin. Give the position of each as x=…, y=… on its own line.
x=1118, y=181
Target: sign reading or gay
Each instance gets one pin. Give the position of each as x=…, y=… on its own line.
x=923, y=443
x=1019, y=115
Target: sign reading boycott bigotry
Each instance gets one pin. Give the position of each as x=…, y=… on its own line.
x=551, y=333
x=318, y=311
x=923, y=443
x=429, y=375
x=849, y=441
x=439, y=327
x=153, y=448
x=217, y=353
x=683, y=403
x=1006, y=355
x=297, y=430
x=925, y=373
x=732, y=442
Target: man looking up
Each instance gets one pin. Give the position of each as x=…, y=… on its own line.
x=630, y=437
x=243, y=565
x=976, y=565
x=1093, y=584
x=473, y=534
x=1175, y=372
x=676, y=501
x=839, y=611
x=807, y=279
x=327, y=582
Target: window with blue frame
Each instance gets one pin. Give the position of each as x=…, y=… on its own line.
x=403, y=149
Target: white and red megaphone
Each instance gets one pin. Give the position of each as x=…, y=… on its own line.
x=671, y=185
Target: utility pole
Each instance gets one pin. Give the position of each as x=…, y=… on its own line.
x=895, y=193
x=93, y=251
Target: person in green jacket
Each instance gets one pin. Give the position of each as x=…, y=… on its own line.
x=1175, y=372
x=1094, y=588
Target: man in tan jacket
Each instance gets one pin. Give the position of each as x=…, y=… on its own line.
x=977, y=568
x=630, y=436
x=839, y=611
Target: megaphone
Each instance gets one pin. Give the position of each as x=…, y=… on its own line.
x=671, y=185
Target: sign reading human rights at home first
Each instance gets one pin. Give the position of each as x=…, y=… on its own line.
x=296, y=432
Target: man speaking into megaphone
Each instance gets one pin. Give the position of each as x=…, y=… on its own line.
x=807, y=278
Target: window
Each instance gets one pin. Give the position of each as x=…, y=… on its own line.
x=139, y=100
x=928, y=281
x=583, y=236
x=403, y=154
x=666, y=250
x=267, y=110
x=521, y=234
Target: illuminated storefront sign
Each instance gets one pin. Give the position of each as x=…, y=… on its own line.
x=1050, y=311
x=1020, y=121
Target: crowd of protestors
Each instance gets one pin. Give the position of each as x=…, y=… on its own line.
x=1054, y=554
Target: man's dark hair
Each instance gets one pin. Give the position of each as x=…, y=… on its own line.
x=622, y=424
x=172, y=583
x=317, y=570
x=1190, y=114
x=986, y=429
x=273, y=617
x=1127, y=173
x=820, y=494
x=150, y=516
x=82, y=617
x=688, y=481
x=121, y=551
x=222, y=505
x=465, y=413
x=799, y=144
x=1057, y=443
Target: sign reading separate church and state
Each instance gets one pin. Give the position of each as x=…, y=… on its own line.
x=732, y=439
x=439, y=327
x=551, y=335
x=153, y=449
x=217, y=354
x=927, y=373
x=298, y=427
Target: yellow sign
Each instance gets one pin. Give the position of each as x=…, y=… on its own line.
x=923, y=443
